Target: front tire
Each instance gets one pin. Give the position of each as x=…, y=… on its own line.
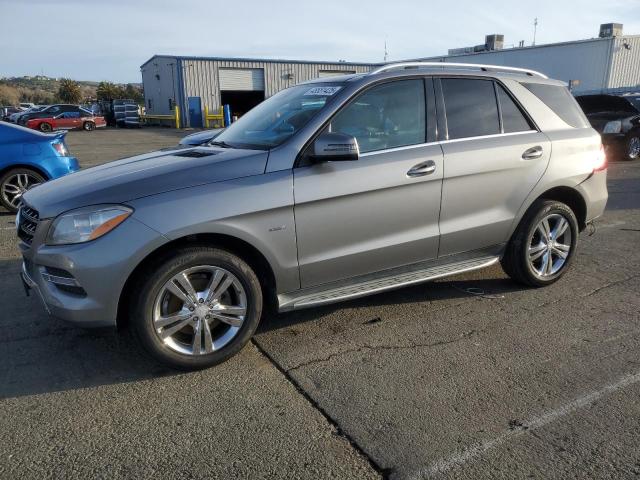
x=14, y=183
x=45, y=127
x=542, y=247
x=196, y=307
x=88, y=126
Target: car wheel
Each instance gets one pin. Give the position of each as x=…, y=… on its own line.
x=45, y=127
x=196, y=308
x=542, y=247
x=88, y=126
x=14, y=183
x=632, y=151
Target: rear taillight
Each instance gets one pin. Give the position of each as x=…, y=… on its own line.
x=600, y=162
x=61, y=148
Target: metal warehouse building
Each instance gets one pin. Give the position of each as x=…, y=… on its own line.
x=195, y=82
x=610, y=62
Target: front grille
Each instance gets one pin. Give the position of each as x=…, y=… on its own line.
x=28, y=225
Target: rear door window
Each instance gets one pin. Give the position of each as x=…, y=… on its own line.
x=513, y=119
x=471, y=107
x=560, y=100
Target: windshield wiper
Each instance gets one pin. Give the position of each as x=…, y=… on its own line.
x=221, y=144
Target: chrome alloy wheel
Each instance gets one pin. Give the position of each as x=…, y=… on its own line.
x=199, y=310
x=549, y=245
x=16, y=185
x=633, y=150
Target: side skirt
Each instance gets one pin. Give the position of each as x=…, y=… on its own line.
x=387, y=280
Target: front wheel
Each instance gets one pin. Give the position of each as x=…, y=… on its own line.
x=197, y=307
x=45, y=127
x=88, y=126
x=542, y=247
x=14, y=183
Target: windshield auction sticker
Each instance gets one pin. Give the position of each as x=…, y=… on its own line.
x=324, y=91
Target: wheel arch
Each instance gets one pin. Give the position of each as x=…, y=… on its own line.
x=26, y=166
x=243, y=249
x=565, y=194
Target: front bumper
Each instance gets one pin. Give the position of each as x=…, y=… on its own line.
x=100, y=268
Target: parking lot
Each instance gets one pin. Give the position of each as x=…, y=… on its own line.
x=468, y=377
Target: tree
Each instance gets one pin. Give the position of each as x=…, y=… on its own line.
x=9, y=95
x=109, y=91
x=69, y=91
x=134, y=93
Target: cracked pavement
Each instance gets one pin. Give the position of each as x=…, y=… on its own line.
x=466, y=377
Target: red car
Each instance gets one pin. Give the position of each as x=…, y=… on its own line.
x=69, y=120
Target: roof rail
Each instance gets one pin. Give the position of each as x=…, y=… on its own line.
x=468, y=66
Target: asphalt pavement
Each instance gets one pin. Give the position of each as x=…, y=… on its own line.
x=467, y=377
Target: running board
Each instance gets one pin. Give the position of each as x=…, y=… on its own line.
x=376, y=283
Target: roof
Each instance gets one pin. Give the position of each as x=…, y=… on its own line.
x=530, y=47
x=263, y=60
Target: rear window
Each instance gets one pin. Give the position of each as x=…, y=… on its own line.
x=605, y=103
x=513, y=119
x=471, y=107
x=558, y=99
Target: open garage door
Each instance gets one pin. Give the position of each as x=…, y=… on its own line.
x=241, y=88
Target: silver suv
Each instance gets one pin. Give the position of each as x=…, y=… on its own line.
x=329, y=190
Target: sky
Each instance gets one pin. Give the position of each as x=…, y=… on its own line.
x=110, y=39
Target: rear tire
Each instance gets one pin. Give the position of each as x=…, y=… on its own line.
x=45, y=127
x=632, y=147
x=14, y=183
x=542, y=247
x=88, y=126
x=188, y=324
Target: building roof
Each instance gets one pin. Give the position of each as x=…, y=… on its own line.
x=529, y=47
x=263, y=60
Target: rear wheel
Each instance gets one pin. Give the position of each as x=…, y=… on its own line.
x=45, y=127
x=542, y=247
x=197, y=307
x=14, y=183
x=632, y=151
x=88, y=126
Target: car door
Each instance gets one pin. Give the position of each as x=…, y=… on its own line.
x=493, y=156
x=381, y=211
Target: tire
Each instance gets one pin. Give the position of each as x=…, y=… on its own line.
x=88, y=126
x=516, y=260
x=632, y=147
x=156, y=310
x=14, y=183
x=45, y=127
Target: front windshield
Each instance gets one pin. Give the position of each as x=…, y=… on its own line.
x=278, y=118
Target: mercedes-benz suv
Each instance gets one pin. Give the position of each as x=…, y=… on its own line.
x=329, y=190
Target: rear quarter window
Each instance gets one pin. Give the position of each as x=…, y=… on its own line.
x=560, y=100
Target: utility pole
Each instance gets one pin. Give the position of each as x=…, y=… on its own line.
x=386, y=54
x=535, y=28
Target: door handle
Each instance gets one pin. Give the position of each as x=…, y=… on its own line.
x=421, y=169
x=532, y=153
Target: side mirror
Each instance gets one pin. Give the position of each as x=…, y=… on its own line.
x=334, y=147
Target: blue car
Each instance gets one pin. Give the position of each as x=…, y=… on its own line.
x=28, y=158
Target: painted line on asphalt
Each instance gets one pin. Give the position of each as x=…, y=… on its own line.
x=458, y=459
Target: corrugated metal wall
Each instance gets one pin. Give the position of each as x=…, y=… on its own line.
x=160, y=82
x=625, y=63
x=587, y=61
x=201, y=77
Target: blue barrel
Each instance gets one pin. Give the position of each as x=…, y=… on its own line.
x=227, y=115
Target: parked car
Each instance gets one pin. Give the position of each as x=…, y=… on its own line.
x=348, y=198
x=81, y=119
x=29, y=158
x=6, y=112
x=47, y=112
x=201, y=138
x=14, y=117
x=27, y=105
x=617, y=118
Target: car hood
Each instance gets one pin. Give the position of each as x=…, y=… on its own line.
x=144, y=175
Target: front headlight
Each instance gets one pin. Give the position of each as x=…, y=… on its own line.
x=86, y=224
x=613, y=127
